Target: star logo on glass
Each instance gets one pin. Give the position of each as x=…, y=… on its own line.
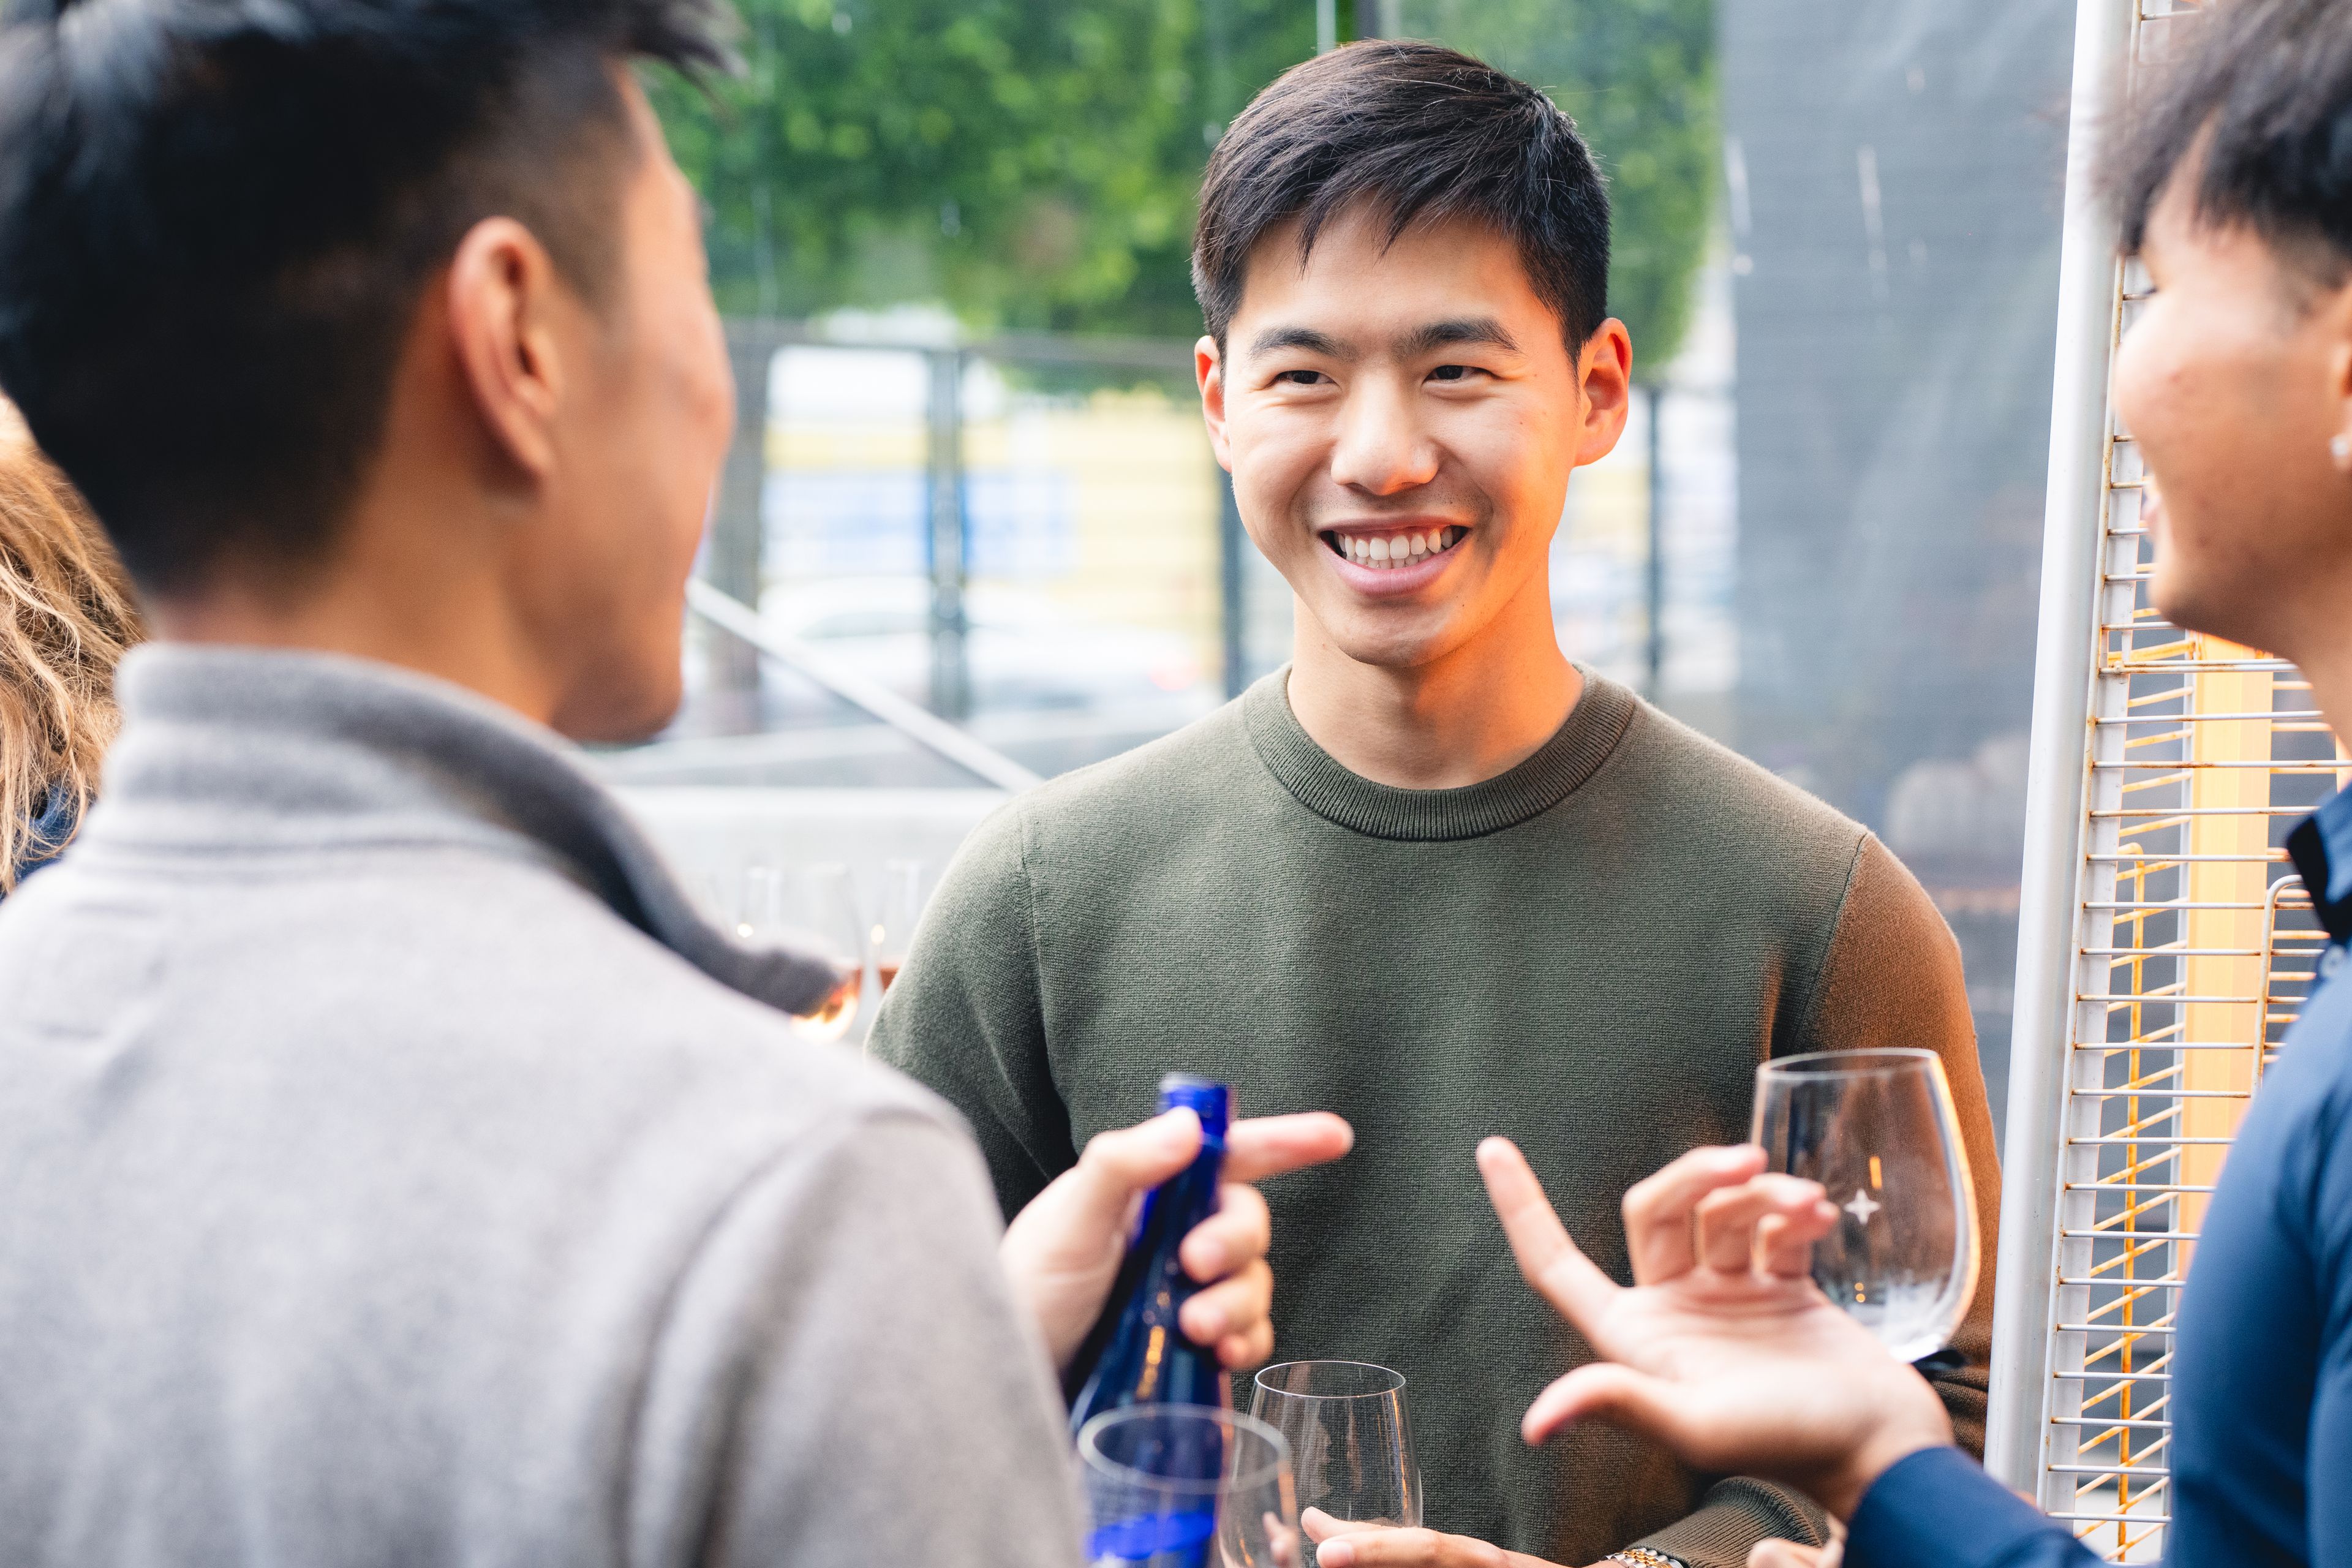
x=1863, y=1207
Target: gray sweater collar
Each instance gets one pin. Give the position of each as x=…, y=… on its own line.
x=250, y=752
x=1332, y=791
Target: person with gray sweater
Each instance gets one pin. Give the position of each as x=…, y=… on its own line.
x=397, y=1169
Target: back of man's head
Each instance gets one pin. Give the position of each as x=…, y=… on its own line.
x=217, y=217
x=1421, y=134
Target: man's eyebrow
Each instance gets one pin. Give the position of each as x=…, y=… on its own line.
x=1462, y=329
x=1306, y=338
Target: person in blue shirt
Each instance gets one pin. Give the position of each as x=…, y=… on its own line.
x=66, y=616
x=2235, y=189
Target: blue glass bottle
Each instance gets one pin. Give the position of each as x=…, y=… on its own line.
x=1135, y=1352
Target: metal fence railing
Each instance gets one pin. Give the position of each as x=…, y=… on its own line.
x=1029, y=539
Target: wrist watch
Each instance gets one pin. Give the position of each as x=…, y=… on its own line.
x=1646, y=1557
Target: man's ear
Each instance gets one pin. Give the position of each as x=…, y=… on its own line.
x=1209, y=370
x=503, y=293
x=2339, y=379
x=1604, y=371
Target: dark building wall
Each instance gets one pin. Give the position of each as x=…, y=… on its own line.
x=1896, y=169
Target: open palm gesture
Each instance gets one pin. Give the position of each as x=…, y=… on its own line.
x=1723, y=1349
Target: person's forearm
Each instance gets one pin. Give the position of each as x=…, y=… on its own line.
x=1937, y=1509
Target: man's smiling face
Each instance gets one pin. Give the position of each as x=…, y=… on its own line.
x=1401, y=421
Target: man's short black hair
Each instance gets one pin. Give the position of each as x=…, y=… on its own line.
x=217, y=218
x=1420, y=134
x=2261, y=109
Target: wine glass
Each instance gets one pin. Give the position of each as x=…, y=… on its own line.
x=813, y=910
x=1350, y=1445
x=1186, y=1486
x=1877, y=1131
x=894, y=928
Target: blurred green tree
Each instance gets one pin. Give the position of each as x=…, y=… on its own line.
x=1639, y=78
x=1033, y=163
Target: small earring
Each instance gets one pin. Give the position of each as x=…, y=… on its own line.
x=2341, y=446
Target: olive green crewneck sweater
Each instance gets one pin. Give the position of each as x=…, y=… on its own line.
x=1589, y=953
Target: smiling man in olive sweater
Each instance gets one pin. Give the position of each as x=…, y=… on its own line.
x=1431, y=876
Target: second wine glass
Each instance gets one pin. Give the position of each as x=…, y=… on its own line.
x=813, y=910
x=1186, y=1486
x=1876, y=1128
x=1350, y=1443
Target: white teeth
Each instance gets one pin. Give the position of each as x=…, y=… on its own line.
x=1382, y=552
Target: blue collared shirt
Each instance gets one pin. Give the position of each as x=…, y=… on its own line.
x=2262, y=1398
x=2322, y=849
x=51, y=829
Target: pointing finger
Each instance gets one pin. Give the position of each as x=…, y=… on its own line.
x=1548, y=1259
x=1263, y=1146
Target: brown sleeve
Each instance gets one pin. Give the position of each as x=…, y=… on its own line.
x=1892, y=977
x=1733, y=1517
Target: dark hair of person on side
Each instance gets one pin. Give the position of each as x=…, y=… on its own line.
x=2261, y=117
x=1425, y=135
x=210, y=255
x=66, y=618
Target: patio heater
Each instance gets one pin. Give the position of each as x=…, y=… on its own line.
x=2164, y=944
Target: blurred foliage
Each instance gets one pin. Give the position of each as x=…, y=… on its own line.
x=1030, y=163
x=1033, y=163
x=1639, y=77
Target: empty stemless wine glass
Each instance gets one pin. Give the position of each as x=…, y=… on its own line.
x=1877, y=1131
x=1350, y=1445
x=1186, y=1486
x=813, y=910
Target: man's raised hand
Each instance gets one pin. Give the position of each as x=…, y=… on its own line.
x=1063, y=1250
x=1723, y=1349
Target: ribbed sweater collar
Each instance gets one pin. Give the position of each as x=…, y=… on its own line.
x=252, y=753
x=1332, y=792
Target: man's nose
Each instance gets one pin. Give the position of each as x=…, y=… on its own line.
x=1382, y=449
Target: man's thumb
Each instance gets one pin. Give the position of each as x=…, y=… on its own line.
x=1118, y=1165
x=1605, y=1391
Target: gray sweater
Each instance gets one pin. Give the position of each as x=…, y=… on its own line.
x=1589, y=953
x=393, y=1170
